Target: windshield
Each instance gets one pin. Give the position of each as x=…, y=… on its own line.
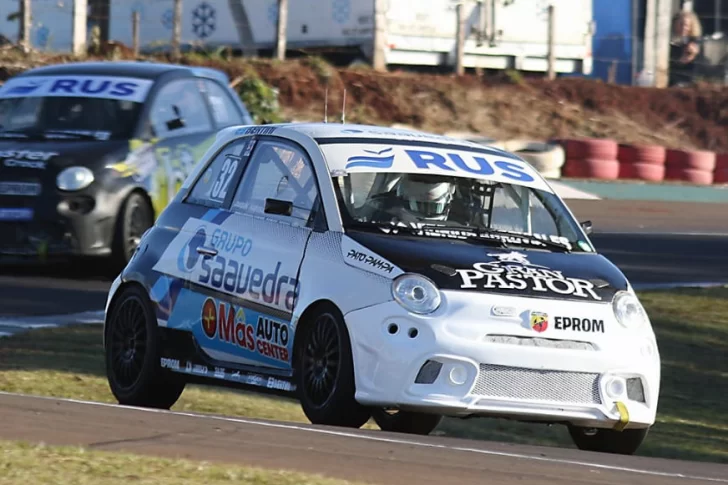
x=70, y=116
x=484, y=208
x=71, y=106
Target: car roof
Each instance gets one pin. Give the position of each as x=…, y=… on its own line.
x=140, y=69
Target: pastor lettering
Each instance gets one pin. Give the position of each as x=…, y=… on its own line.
x=495, y=276
x=579, y=324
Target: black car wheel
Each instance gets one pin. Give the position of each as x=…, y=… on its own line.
x=624, y=442
x=135, y=217
x=325, y=372
x=132, y=354
x=406, y=421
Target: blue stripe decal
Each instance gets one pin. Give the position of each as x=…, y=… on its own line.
x=160, y=289
x=210, y=215
x=221, y=217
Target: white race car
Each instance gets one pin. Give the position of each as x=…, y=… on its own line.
x=383, y=273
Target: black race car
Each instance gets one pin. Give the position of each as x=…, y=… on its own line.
x=91, y=152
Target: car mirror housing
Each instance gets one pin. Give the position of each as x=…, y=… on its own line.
x=587, y=227
x=280, y=207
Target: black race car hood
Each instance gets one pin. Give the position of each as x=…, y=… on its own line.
x=478, y=267
x=57, y=154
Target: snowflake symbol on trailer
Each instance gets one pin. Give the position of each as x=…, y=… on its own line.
x=168, y=19
x=340, y=10
x=203, y=20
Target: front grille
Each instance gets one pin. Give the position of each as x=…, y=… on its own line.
x=537, y=385
x=539, y=342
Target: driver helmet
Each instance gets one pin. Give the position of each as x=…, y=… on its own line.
x=428, y=196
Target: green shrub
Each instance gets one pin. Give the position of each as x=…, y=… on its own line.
x=260, y=99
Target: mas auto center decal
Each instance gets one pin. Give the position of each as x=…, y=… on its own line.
x=233, y=333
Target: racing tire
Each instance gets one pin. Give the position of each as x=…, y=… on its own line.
x=721, y=162
x=642, y=154
x=691, y=160
x=406, y=421
x=131, y=347
x=691, y=176
x=544, y=157
x=642, y=171
x=324, y=372
x=596, y=148
x=720, y=176
x=608, y=440
x=135, y=217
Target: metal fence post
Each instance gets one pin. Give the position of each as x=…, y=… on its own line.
x=177, y=30
x=281, y=29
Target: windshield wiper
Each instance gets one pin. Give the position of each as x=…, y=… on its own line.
x=85, y=136
x=13, y=134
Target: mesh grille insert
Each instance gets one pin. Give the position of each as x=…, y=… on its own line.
x=537, y=385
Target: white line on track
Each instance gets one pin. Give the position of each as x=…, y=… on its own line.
x=420, y=444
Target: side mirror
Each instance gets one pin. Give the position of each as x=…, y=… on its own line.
x=280, y=207
x=587, y=227
x=177, y=122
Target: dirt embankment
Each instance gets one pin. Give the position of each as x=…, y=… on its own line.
x=499, y=107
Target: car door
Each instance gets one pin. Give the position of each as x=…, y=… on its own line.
x=272, y=211
x=239, y=261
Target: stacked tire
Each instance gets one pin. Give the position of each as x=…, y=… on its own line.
x=642, y=162
x=720, y=175
x=591, y=158
x=693, y=166
x=546, y=158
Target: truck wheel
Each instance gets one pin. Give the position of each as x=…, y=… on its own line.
x=131, y=342
x=406, y=421
x=608, y=440
x=325, y=372
x=135, y=217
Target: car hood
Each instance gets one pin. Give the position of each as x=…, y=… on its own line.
x=477, y=267
x=54, y=155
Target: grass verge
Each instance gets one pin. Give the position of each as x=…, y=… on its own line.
x=19, y=464
x=692, y=332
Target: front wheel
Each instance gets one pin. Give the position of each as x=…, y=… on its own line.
x=135, y=217
x=325, y=372
x=133, y=370
x=406, y=421
x=608, y=440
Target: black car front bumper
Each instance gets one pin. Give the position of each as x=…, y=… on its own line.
x=61, y=224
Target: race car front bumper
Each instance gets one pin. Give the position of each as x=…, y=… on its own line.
x=464, y=361
x=60, y=225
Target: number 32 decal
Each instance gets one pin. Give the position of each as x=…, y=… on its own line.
x=220, y=187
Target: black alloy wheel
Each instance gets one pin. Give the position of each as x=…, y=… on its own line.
x=325, y=372
x=131, y=342
x=135, y=217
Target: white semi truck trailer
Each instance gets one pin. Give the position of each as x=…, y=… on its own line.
x=500, y=34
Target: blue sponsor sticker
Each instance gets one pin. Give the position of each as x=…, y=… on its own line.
x=19, y=214
x=109, y=87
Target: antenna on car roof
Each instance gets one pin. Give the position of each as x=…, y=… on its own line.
x=326, y=104
x=343, y=109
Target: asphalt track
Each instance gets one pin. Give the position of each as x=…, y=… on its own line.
x=362, y=455
x=652, y=242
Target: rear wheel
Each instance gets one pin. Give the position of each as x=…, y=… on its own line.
x=325, y=372
x=132, y=354
x=624, y=442
x=406, y=421
x=135, y=217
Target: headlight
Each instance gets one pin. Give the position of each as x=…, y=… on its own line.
x=74, y=178
x=416, y=293
x=628, y=310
